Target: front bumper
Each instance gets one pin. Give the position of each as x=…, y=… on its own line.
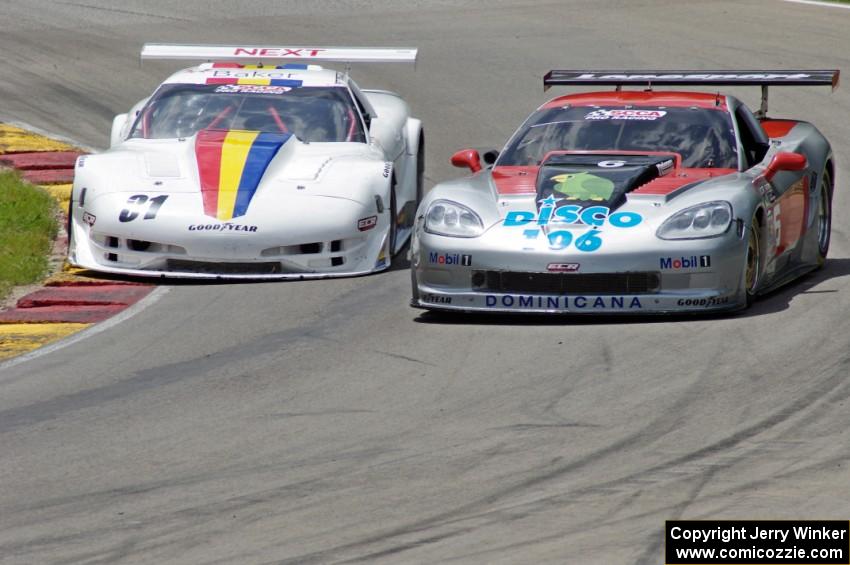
x=630, y=274
x=527, y=303
x=270, y=244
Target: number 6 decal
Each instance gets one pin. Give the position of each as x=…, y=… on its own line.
x=589, y=241
x=136, y=204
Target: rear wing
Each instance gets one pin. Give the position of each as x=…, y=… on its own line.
x=274, y=53
x=690, y=78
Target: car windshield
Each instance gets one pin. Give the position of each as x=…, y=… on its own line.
x=703, y=137
x=313, y=114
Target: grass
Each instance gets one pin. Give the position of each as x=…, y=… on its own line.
x=27, y=229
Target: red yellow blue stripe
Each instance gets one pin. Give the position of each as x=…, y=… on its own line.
x=257, y=81
x=231, y=165
x=292, y=66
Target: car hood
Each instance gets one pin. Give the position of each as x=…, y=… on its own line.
x=230, y=169
x=507, y=197
x=526, y=188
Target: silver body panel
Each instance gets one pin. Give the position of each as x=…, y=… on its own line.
x=695, y=275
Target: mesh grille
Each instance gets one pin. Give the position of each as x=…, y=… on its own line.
x=572, y=283
x=267, y=268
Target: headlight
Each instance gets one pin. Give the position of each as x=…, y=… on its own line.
x=445, y=217
x=703, y=220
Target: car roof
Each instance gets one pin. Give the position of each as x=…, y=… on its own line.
x=235, y=73
x=641, y=98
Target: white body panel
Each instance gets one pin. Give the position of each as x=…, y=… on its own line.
x=320, y=209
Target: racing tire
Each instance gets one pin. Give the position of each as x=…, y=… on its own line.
x=414, y=287
x=752, y=265
x=68, y=226
x=824, y=218
x=393, y=221
x=420, y=169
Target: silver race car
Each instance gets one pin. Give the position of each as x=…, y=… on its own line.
x=261, y=164
x=631, y=202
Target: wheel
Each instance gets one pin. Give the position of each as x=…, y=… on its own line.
x=393, y=221
x=420, y=169
x=408, y=211
x=824, y=218
x=414, y=286
x=68, y=227
x=752, y=276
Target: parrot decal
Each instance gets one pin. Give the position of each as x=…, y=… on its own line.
x=583, y=186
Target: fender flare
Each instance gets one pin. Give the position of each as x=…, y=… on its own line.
x=412, y=129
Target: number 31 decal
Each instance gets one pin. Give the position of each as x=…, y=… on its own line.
x=139, y=203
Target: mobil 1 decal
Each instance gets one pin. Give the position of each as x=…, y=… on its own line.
x=565, y=224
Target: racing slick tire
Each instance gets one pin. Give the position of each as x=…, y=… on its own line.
x=752, y=265
x=393, y=220
x=824, y=217
x=414, y=288
x=408, y=211
x=68, y=225
x=420, y=169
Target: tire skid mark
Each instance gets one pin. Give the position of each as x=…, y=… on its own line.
x=403, y=357
x=270, y=344
x=835, y=381
x=836, y=386
x=168, y=524
x=127, y=12
x=675, y=509
x=395, y=550
x=146, y=379
x=495, y=516
x=479, y=509
x=655, y=542
x=296, y=488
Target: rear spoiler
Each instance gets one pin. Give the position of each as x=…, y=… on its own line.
x=261, y=53
x=682, y=78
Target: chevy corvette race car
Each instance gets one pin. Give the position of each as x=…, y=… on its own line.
x=260, y=170
x=632, y=202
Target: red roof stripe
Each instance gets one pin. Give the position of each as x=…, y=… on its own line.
x=652, y=98
x=222, y=81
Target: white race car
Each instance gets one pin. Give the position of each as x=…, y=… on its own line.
x=261, y=170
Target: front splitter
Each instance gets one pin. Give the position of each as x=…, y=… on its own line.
x=603, y=304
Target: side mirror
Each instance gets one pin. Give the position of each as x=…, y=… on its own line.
x=785, y=161
x=468, y=158
x=118, y=124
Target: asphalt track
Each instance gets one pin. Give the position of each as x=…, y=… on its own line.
x=327, y=422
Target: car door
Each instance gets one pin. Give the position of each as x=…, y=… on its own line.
x=785, y=197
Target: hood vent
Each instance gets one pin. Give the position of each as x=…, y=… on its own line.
x=306, y=168
x=597, y=180
x=162, y=165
